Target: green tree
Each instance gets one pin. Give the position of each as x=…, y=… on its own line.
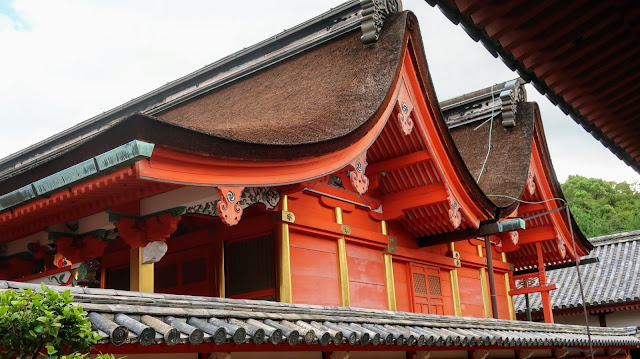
x=44, y=324
x=602, y=207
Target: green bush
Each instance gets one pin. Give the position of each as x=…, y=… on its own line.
x=44, y=324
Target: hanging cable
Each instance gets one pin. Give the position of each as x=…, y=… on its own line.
x=565, y=205
x=486, y=158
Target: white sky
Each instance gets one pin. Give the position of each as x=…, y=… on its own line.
x=64, y=61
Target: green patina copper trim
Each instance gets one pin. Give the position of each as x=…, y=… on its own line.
x=128, y=153
x=175, y=211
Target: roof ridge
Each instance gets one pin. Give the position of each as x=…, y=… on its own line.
x=615, y=238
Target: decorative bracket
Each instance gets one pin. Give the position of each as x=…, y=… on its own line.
x=359, y=180
x=242, y=197
x=138, y=231
x=455, y=217
x=80, y=247
x=229, y=208
x=373, y=14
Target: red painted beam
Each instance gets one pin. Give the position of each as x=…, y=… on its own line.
x=537, y=234
x=399, y=162
x=393, y=204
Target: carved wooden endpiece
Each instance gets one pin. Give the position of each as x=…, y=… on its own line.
x=454, y=209
x=531, y=185
x=561, y=248
x=154, y=251
x=515, y=237
x=359, y=180
x=404, y=108
x=228, y=206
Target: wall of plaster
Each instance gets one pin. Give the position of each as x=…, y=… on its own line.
x=627, y=318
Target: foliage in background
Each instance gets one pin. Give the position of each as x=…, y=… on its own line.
x=44, y=324
x=601, y=207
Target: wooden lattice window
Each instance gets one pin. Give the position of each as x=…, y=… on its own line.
x=434, y=286
x=419, y=284
x=250, y=268
x=427, y=291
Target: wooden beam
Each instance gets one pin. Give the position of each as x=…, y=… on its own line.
x=536, y=289
x=530, y=207
x=399, y=162
x=537, y=234
x=583, y=261
x=393, y=204
x=455, y=236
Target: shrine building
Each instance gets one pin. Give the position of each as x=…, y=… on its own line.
x=306, y=197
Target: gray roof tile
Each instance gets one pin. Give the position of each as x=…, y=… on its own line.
x=130, y=317
x=615, y=279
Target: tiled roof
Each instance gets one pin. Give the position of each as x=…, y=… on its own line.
x=614, y=280
x=150, y=318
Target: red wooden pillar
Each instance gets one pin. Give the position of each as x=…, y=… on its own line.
x=542, y=276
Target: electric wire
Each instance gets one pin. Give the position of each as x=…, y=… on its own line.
x=486, y=158
x=565, y=206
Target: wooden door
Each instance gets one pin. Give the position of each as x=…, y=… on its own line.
x=427, y=292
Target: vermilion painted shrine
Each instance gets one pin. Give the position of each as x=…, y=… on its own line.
x=307, y=196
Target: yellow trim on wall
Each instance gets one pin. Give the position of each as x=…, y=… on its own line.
x=512, y=309
x=220, y=270
x=390, y=282
x=389, y=279
x=285, y=293
x=343, y=270
x=484, y=286
x=507, y=285
x=338, y=212
x=141, y=275
x=485, y=293
x=455, y=287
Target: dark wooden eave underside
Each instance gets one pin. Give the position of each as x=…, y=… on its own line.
x=582, y=55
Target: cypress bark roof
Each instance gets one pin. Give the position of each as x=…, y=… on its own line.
x=506, y=168
x=329, y=92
